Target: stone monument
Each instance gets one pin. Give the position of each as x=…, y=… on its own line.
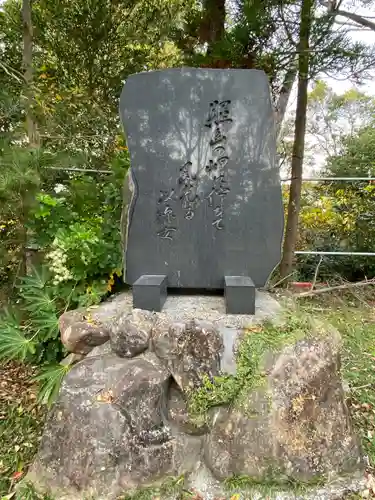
x=206, y=210
x=190, y=392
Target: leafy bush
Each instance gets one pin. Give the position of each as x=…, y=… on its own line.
x=336, y=219
x=34, y=337
x=78, y=226
x=73, y=220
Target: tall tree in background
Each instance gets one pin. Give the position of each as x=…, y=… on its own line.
x=212, y=27
x=299, y=139
x=27, y=62
x=31, y=126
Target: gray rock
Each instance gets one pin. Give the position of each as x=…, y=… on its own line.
x=85, y=328
x=178, y=414
x=100, y=350
x=105, y=434
x=207, y=199
x=107, y=312
x=72, y=359
x=189, y=350
x=80, y=332
x=209, y=488
x=298, y=423
x=130, y=333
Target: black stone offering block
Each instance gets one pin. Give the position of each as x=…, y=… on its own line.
x=239, y=295
x=150, y=292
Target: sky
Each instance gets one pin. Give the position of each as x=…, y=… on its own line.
x=339, y=83
x=363, y=36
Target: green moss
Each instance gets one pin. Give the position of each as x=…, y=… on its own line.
x=173, y=487
x=273, y=482
x=229, y=390
x=27, y=491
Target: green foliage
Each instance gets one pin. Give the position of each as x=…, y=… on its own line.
x=358, y=330
x=338, y=216
x=14, y=343
x=50, y=380
x=353, y=316
x=256, y=343
x=272, y=483
x=43, y=304
x=28, y=492
x=171, y=488
x=34, y=337
x=79, y=229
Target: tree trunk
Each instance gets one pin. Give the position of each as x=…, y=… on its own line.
x=32, y=135
x=27, y=61
x=213, y=23
x=299, y=141
x=285, y=91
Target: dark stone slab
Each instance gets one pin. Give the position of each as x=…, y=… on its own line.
x=206, y=191
x=150, y=292
x=239, y=295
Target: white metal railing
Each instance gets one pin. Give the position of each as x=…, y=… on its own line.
x=305, y=179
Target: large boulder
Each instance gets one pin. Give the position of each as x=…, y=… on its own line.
x=131, y=332
x=189, y=350
x=106, y=435
x=85, y=328
x=80, y=332
x=296, y=425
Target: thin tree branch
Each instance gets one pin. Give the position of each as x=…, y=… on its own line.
x=285, y=91
x=334, y=10
x=337, y=287
x=356, y=18
x=316, y=273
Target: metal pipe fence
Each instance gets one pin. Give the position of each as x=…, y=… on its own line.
x=334, y=179
x=305, y=179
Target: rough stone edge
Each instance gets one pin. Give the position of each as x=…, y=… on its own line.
x=210, y=488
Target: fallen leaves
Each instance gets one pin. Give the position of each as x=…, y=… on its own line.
x=21, y=420
x=16, y=475
x=253, y=329
x=369, y=492
x=105, y=397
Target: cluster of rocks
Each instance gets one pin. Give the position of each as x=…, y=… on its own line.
x=121, y=420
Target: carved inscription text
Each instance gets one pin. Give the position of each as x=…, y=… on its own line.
x=190, y=178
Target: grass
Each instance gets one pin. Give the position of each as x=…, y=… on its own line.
x=21, y=422
x=268, y=487
x=233, y=389
x=355, y=319
x=171, y=488
x=21, y=418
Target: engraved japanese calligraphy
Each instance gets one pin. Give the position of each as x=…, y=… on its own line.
x=188, y=182
x=218, y=115
x=190, y=176
x=165, y=215
x=206, y=201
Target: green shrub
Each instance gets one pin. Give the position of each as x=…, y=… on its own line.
x=78, y=228
x=34, y=335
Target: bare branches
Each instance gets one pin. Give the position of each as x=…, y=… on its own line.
x=284, y=95
x=337, y=287
x=334, y=10
x=356, y=18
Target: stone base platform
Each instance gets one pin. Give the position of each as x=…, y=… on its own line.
x=123, y=421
